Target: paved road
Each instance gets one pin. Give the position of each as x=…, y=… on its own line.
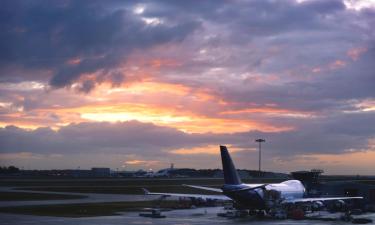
x=91, y=198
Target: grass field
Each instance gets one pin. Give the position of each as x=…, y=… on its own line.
x=115, y=186
x=122, y=185
x=122, y=189
x=26, y=196
x=105, y=185
x=24, y=182
x=87, y=210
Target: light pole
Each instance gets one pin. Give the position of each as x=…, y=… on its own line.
x=260, y=152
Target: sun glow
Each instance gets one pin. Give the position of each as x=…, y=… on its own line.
x=188, y=109
x=183, y=121
x=209, y=149
x=120, y=117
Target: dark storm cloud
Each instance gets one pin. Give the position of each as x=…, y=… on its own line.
x=253, y=11
x=127, y=137
x=330, y=91
x=41, y=34
x=336, y=135
x=46, y=35
x=246, y=20
x=284, y=38
x=332, y=135
x=273, y=17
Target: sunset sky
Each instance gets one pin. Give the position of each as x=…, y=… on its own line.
x=142, y=84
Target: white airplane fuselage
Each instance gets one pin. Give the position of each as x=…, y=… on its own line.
x=251, y=196
x=288, y=189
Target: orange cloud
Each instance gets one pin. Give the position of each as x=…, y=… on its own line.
x=174, y=105
x=271, y=112
x=363, y=161
x=38, y=118
x=137, y=162
x=181, y=120
x=74, y=61
x=158, y=63
x=209, y=149
x=142, y=88
x=140, y=163
x=337, y=64
x=27, y=156
x=316, y=70
x=355, y=53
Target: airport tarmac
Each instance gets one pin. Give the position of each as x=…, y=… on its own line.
x=186, y=217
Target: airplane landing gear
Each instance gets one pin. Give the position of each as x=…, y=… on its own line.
x=252, y=212
x=261, y=214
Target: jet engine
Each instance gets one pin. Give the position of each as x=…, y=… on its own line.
x=340, y=204
x=317, y=205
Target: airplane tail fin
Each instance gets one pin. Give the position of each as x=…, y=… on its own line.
x=145, y=191
x=230, y=172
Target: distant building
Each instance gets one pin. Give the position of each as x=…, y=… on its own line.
x=75, y=173
x=165, y=172
x=350, y=189
x=101, y=172
x=244, y=174
x=127, y=174
x=345, y=186
x=308, y=178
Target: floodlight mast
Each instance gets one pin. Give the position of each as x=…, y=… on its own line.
x=260, y=152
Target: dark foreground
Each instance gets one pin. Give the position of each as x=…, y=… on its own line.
x=110, y=201
x=187, y=217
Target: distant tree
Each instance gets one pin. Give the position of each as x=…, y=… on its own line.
x=9, y=169
x=13, y=169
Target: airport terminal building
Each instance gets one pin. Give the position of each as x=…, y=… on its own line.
x=345, y=186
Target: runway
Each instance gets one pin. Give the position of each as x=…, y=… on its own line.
x=91, y=198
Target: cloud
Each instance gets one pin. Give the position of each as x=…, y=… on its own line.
x=335, y=135
x=331, y=91
x=127, y=137
x=140, y=144
x=72, y=39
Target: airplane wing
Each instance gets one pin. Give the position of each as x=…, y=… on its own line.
x=296, y=200
x=248, y=187
x=204, y=188
x=215, y=197
x=257, y=185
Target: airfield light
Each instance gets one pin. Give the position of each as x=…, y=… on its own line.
x=260, y=152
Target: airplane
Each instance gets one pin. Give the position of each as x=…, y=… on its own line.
x=254, y=197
